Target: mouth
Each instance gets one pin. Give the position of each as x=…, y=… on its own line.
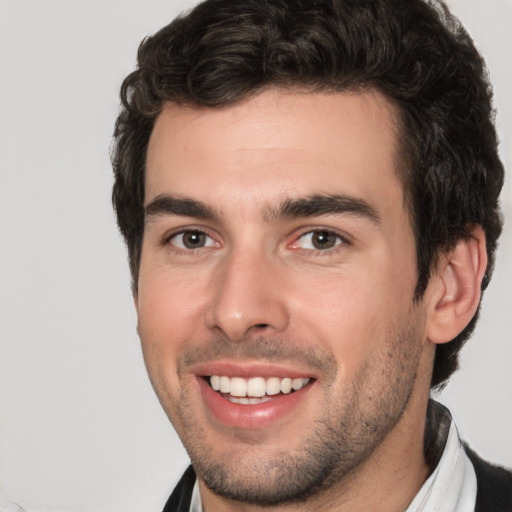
x=254, y=395
x=255, y=390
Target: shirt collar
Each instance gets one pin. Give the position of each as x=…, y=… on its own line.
x=452, y=483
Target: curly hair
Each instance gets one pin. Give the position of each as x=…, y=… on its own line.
x=413, y=51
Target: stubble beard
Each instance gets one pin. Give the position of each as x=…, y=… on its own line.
x=354, y=424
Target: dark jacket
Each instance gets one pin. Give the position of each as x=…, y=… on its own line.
x=494, y=485
x=494, y=491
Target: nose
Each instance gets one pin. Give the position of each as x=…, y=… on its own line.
x=249, y=298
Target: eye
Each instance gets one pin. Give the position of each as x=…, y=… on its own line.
x=191, y=240
x=319, y=240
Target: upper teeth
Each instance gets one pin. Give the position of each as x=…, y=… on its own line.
x=255, y=386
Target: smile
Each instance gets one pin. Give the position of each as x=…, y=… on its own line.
x=248, y=395
x=255, y=390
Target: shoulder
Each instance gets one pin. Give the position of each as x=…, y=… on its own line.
x=179, y=501
x=494, y=485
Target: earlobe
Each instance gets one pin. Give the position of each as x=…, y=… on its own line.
x=456, y=291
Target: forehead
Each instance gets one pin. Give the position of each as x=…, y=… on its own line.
x=276, y=145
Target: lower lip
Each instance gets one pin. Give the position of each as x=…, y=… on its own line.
x=250, y=416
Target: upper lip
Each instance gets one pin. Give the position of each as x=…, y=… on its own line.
x=250, y=369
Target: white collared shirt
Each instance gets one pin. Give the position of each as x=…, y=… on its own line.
x=196, y=504
x=452, y=485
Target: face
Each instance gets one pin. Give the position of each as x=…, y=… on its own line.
x=275, y=297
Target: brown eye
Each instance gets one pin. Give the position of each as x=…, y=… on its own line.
x=324, y=239
x=192, y=240
x=319, y=240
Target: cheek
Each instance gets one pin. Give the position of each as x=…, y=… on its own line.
x=339, y=321
x=167, y=319
x=169, y=306
x=352, y=314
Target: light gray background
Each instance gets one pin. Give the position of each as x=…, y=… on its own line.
x=80, y=428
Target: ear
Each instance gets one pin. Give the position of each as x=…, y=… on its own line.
x=455, y=287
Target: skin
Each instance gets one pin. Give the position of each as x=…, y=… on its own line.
x=257, y=298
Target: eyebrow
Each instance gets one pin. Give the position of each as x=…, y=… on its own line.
x=308, y=206
x=324, y=204
x=170, y=205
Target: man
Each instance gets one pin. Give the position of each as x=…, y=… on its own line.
x=309, y=194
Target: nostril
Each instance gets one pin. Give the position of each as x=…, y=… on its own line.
x=261, y=326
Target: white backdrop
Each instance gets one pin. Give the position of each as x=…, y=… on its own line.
x=80, y=428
